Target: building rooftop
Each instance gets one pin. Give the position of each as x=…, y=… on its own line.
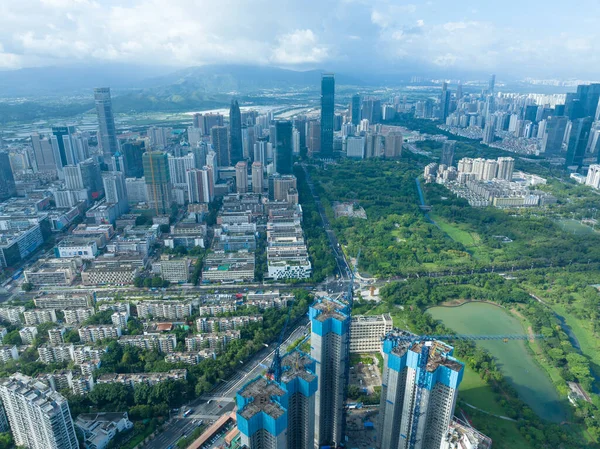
x=262, y=393
x=438, y=355
x=330, y=309
x=295, y=364
x=463, y=436
x=366, y=319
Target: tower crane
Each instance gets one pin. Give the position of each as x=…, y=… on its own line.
x=405, y=337
x=275, y=369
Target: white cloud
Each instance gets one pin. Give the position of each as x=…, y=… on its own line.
x=378, y=33
x=299, y=47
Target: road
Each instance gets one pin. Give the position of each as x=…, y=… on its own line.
x=221, y=399
x=342, y=264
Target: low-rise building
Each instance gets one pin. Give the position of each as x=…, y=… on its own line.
x=53, y=272
x=8, y=353
x=142, y=378
x=229, y=267
x=100, y=428
x=11, y=314
x=119, y=319
x=55, y=354
x=28, y=334
x=55, y=336
x=189, y=358
x=116, y=306
x=215, y=341
x=102, y=273
x=76, y=315
x=64, y=301
x=91, y=334
x=38, y=316
x=172, y=310
x=83, y=248
x=367, y=332
x=82, y=354
x=173, y=269
x=215, y=309
x=204, y=324
x=153, y=342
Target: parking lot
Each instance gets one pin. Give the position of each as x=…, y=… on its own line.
x=366, y=376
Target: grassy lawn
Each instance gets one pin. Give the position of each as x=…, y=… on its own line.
x=471, y=240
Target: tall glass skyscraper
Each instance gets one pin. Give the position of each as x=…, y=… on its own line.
x=106, y=122
x=578, y=140
x=283, y=148
x=355, y=109
x=236, y=152
x=7, y=181
x=327, y=107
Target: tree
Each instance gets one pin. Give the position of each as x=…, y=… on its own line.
x=157, y=282
x=26, y=286
x=71, y=336
x=12, y=338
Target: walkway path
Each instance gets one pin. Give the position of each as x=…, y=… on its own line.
x=506, y=418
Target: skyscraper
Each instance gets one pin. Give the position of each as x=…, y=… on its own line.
x=235, y=126
x=257, y=177
x=8, y=188
x=327, y=113
x=241, y=177
x=106, y=121
x=445, y=102
x=220, y=144
x=489, y=132
x=419, y=390
x=115, y=190
x=61, y=146
x=492, y=84
x=42, y=153
x=261, y=419
x=506, y=167
x=283, y=147
x=92, y=179
x=355, y=109
x=554, y=135
x=314, y=138
x=448, y=152
x=158, y=181
x=178, y=166
x=39, y=417
x=330, y=324
x=132, y=154
x=578, y=140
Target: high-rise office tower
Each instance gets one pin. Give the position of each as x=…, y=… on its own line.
x=578, y=140
x=314, y=138
x=115, y=190
x=448, y=152
x=248, y=140
x=8, y=188
x=300, y=125
x=355, y=109
x=132, y=154
x=492, y=84
x=241, y=177
x=61, y=146
x=283, y=147
x=220, y=144
x=445, y=102
x=393, y=145
x=260, y=150
x=201, y=185
x=330, y=324
x=236, y=153
x=39, y=417
x=92, y=178
x=459, y=91
x=554, y=135
x=106, y=121
x=411, y=410
x=257, y=177
x=42, y=153
x=158, y=181
x=211, y=120
x=506, y=167
x=327, y=113
x=261, y=419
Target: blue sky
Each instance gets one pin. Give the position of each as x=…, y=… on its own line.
x=521, y=38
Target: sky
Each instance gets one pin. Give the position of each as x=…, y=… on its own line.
x=539, y=38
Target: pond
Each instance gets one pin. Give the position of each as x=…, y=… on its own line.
x=517, y=364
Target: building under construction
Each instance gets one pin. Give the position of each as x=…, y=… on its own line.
x=330, y=324
x=280, y=415
x=419, y=390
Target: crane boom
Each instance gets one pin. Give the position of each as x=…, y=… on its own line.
x=459, y=337
x=275, y=369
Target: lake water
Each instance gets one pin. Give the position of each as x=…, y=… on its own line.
x=517, y=364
